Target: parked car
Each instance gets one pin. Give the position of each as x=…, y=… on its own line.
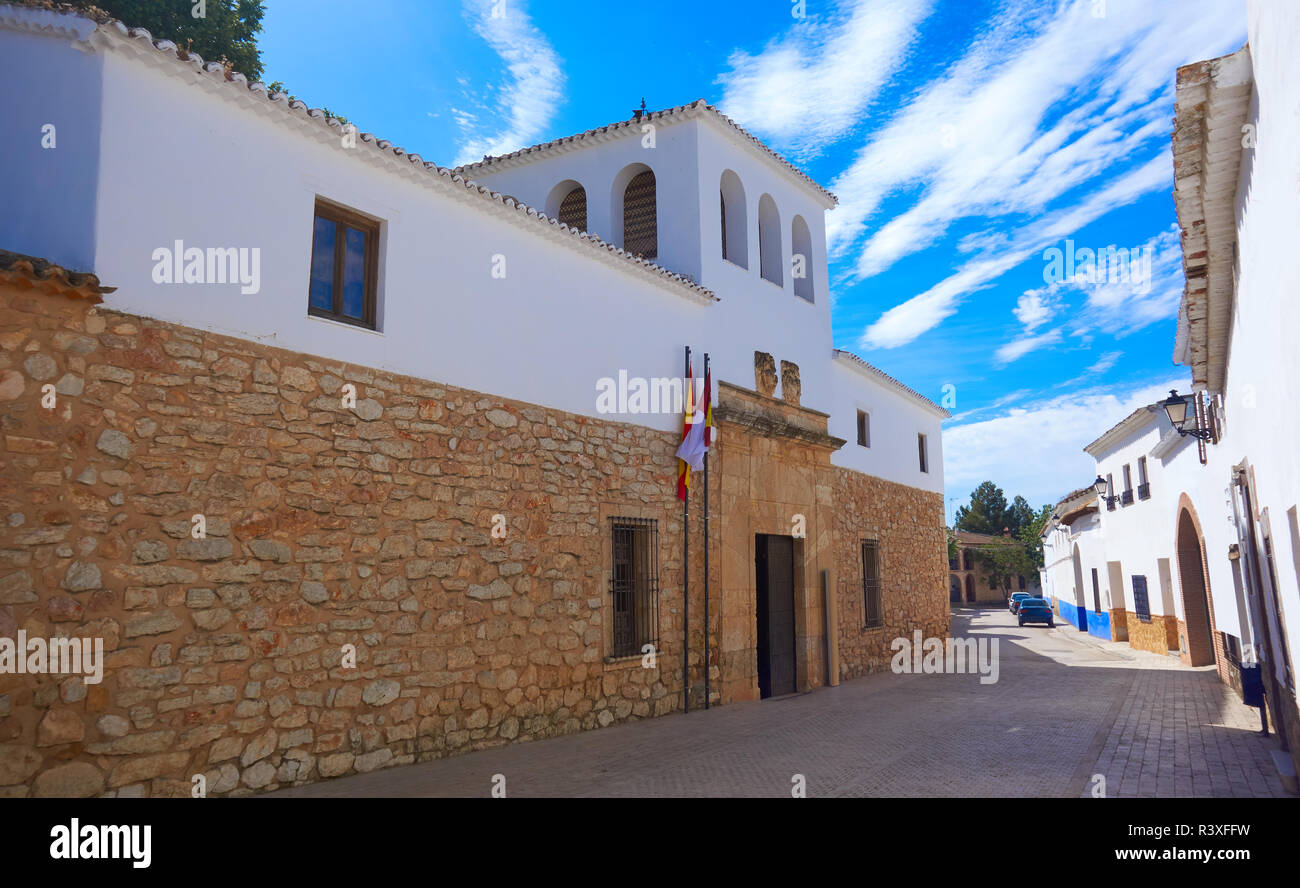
x=1016, y=598
x=1035, y=610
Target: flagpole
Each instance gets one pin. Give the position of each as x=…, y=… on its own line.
x=686, y=569
x=708, y=395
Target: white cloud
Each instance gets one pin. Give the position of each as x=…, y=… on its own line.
x=810, y=86
x=1105, y=362
x=1036, y=307
x=988, y=140
x=532, y=92
x=908, y=320
x=1036, y=449
x=1023, y=345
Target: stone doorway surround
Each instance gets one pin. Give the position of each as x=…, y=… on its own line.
x=773, y=465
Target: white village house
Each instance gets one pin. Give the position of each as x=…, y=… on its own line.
x=474, y=313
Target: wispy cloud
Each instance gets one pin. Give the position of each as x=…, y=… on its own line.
x=810, y=86
x=1036, y=449
x=1029, y=125
x=533, y=89
x=908, y=320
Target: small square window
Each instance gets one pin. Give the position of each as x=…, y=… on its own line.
x=344, y=266
x=864, y=429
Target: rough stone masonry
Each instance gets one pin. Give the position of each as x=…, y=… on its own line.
x=323, y=526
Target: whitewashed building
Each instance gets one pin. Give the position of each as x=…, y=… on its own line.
x=260, y=250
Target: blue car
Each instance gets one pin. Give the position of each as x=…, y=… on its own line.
x=1035, y=610
x=1014, y=601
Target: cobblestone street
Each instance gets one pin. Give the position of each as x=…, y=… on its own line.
x=1064, y=709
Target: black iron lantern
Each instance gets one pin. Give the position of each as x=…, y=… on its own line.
x=1181, y=415
x=1100, y=486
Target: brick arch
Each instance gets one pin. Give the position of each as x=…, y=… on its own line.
x=1201, y=645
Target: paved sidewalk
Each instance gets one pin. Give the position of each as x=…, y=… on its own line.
x=1061, y=711
x=1180, y=732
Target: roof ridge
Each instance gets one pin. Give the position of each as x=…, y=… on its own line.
x=877, y=371
x=698, y=104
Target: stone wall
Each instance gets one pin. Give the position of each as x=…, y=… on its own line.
x=457, y=542
x=909, y=525
x=325, y=526
x=1118, y=624
x=1159, y=635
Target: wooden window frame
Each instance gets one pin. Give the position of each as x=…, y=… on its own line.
x=341, y=215
x=923, y=448
x=864, y=429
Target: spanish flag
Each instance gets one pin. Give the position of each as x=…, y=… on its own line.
x=688, y=421
x=697, y=433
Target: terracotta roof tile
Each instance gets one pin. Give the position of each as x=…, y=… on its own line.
x=699, y=106
x=34, y=271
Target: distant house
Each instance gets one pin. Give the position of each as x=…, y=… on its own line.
x=968, y=579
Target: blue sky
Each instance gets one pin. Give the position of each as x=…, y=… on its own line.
x=963, y=138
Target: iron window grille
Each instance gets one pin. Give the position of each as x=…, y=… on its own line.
x=1144, y=491
x=634, y=584
x=871, y=584
x=573, y=209
x=1126, y=498
x=640, y=217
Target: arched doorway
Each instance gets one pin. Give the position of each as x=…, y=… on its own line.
x=1081, y=609
x=954, y=589
x=1192, y=581
x=970, y=589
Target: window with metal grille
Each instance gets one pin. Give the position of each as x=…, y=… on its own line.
x=634, y=584
x=1141, y=601
x=871, y=583
x=573, y=209
x=640, y=217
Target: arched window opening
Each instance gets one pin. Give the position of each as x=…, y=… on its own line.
x=735, y=220
x=769, y=241
x=567, y=203
x=573, y=209
x=640, y=216
x=801, y=259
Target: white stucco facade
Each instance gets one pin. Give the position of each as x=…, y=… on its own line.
x=473, y=290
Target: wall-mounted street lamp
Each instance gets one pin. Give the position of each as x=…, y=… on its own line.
x=1182, y=416
x=1102, y=489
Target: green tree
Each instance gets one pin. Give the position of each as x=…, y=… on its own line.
x=1031, y=535
x=225, y=32
x=986, y=513
x=1018, y=516
x=1002, y=561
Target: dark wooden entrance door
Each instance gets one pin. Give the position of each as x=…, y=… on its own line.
x=774, y=563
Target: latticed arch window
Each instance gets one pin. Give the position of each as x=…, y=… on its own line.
x=640, y=216
x=634, y=584
x=573, y=209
